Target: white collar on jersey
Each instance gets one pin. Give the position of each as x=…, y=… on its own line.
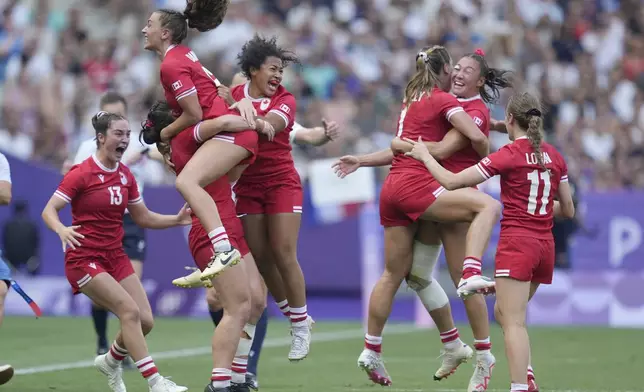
x=521, y=137
x=474, y=98
x=169, y=49
x=102, y=167
x=247, y=94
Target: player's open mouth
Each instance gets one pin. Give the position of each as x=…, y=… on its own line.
x=274, y=84
x=120, y=150
x=458, y=84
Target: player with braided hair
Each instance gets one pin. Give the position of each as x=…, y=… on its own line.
x=532, y=174
x=241, y=290
x=191, y=91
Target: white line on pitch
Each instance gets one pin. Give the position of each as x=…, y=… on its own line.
x=197, y=351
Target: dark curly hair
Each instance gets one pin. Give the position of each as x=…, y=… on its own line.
x=495, y=79
x=159, y=117
x=255, y=52
x=203, y=15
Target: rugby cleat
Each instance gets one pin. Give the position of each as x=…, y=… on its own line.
x=452, y=359
x=371, y=362
x=475, y=284
x=193, y=280
x=482, y=373
x=219, y=262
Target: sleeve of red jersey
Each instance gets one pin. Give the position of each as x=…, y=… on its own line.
x=176, y=77
x=564, y=170
x=134, y=196
x=72, y=184
x=495, y=163
x=480, y=120
x=285, y=107
x=448, y=105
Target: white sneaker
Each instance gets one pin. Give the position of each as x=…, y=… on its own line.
x=301, y=340
x=219, y=262
x=191, y=281
x=166, y=385
x=371, y=362
x=475, y=284
x=452, y=359
x=114, y=374
x=482, y=373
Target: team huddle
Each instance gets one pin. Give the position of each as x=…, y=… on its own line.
x=245, y=207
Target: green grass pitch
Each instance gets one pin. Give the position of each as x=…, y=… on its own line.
x=54, y=354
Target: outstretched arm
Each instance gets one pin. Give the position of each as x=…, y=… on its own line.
x=147, y=219
x=450, y=181
x=316, y=136
x=350, y=163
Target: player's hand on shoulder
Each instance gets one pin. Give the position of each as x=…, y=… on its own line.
x=420, y=151
x=331, y=129
x=69, y=236
x=346, y=165
x=246, y=110
x=183, y=217
x=266, y=129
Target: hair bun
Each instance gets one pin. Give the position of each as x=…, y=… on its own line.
x=480, y=52
x=534, y=112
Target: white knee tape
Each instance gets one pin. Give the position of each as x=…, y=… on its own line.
x=420, y=278
x=423, y=263
x=433, y=296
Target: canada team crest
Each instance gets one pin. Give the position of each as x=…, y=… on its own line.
x=123, y=178
x=265, y=104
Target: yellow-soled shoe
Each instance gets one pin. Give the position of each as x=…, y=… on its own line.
x=191, y=281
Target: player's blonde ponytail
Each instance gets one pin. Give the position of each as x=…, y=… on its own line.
x=526, y=109
x=429, y=66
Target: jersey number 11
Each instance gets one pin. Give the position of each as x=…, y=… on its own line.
x=536, y=177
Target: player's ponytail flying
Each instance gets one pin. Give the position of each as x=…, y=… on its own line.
x=430, y=64
x=526, y=109
x=203, y=15
x=495, y=79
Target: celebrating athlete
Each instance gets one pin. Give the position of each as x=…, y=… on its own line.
x=99, y=189
x=532, y=172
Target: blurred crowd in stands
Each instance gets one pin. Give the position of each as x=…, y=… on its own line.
x=584, y=57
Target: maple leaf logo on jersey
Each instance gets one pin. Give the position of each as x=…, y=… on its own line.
x=101, y=177
x=478, y=121
x=265, y=104
x=92, y=265
x=123, y=178
x=285, y=108
x=486, y=161
x=177, y=85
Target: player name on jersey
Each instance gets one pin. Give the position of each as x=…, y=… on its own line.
x=531, y=158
